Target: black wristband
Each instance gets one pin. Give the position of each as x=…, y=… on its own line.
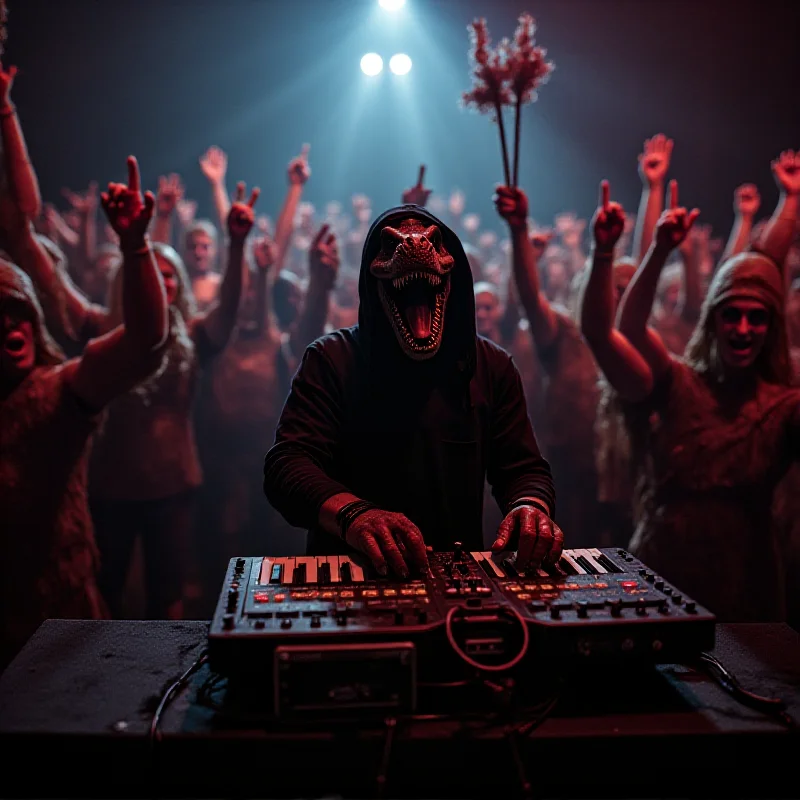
x=349, y=512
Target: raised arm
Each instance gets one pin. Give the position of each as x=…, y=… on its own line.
x=21, y=176
x=264, y=256
x=777, y=236
x=217, y=323
x=214, y=165
x=113, y=364
x=512, y=206
x=170, y=193
x=692, y=295
x=746, y=202
x=653, y=168
x=323, y=267
x=299, y=172
x=622, y=364
x=637, y=303
x=417, y=195
x=85, y=205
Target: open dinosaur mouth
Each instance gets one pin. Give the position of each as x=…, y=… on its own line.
x=416, y=302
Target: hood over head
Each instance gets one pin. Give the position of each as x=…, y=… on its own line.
x=375, y=330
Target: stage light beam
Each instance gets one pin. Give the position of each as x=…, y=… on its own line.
x=371, y=64
x=400, y=64
x=391, y=5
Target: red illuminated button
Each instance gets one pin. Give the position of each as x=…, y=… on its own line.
x=629, y=584
x=261, y=597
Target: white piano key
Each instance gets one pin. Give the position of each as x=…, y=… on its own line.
x=487, y=556
x=287, y=578
x=572, y=562
x=593, y=553
x=588, y=556
x=357, y=571
x=333, y=563
x=311, y=567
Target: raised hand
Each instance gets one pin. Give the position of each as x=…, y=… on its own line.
x=786, y=169
x=471, y=223
x=170, y=193
x=654, y=161
x=323, y=257
x=186, y=211
x=417, y=195
x=265, y=253
x=746, y=200
x=83, y=203
x=457, y=202
x=608, y=222
x=675, y=223
x=6, y=82
x=214, y=164
x=242, y=215
x=129, y=213
x=512, y=205
x=299, y=171
x=540, y=539
x=540, y=240
x=387, y=539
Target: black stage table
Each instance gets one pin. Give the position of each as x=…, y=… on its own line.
x=77, y=703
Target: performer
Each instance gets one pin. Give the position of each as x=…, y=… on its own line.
x=391, y=426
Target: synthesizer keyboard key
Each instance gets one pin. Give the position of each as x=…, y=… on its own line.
x=580, y=559
x=323, y=571
x=572, y=564
x=589, y=556
x=277, y=571
x=309, y=565
x=490, y=565
x=333, y=565
x=287, y=576
x=602, y=558
x=345, y=569
x=266, y=571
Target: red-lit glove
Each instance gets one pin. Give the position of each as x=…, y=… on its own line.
x=540, y=539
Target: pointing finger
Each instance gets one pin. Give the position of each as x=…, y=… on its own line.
x=605, y=195
x=421, y=176
x=133, y=174
x=673, y=194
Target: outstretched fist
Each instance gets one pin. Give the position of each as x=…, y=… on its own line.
x=323, y=257
x=512, y=205
x=654, y=161
x=786, y=169
x=128, y=211
x=675, y=223
x=242, y=215
x=608, y=222
x=417, y=195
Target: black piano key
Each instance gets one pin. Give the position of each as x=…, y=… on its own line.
x=555, y=571
x=586, y=564
x=511, y=568
x=345, y=572
x=605, y=561
x=324, y=573
x=277, y=571
x=565, y=567
x=299, y=574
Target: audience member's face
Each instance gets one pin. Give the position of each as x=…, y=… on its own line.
x=18, y=356
x=487, y=313
x=741, y=328
x=670, y=296
x=201, y=251
x=170, y=278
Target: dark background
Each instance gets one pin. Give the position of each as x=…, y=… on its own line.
x=164, y=79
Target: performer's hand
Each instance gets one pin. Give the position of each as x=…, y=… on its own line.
x=242, y=215
x=608, y=222
x=540, y=539
x=675, y=223
x=84, y=204
x=746, y=200
x=323, y=257
x=786, y=169
x=418, y=194
x=128, y=212
x=512, y=205
x=299, y=171
x=388, y=539
x=654, y=161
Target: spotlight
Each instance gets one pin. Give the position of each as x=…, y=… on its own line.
x=391, y=5
x=371, y=64
x=400, y=64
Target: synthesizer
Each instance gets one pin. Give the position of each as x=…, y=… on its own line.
x=596, y=606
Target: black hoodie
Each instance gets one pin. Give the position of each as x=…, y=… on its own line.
x=417, y=437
